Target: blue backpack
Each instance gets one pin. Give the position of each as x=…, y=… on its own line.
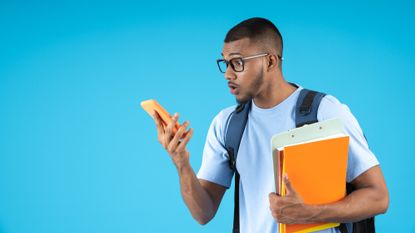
x=305, y=113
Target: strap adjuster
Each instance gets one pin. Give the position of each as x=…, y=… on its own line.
x=305, y=110
x=232, y=160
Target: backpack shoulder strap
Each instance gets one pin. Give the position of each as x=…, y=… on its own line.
x=235, y=130
x=307, y=107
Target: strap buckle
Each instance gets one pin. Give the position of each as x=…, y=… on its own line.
x=232, y=161
x=305, y=110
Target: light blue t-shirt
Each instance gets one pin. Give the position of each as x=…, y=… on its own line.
x=254, y=161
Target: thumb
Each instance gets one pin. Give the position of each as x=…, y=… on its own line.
x=289, y=187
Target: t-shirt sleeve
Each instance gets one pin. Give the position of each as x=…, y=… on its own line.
x=215, y=162
x=360, y=158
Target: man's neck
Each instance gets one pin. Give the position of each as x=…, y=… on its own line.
x=276, y=93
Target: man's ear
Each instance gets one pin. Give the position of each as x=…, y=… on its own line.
x=272, y=62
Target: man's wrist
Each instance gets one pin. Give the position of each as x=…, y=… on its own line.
x=183, y=166
x=315, y=213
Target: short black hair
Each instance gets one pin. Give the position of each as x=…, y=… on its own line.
x=258, y=30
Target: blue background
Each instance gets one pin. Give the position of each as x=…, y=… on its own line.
x=78, y=154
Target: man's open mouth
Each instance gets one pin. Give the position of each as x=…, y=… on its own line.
x=233, y=87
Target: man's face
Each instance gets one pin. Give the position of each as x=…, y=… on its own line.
x=247, y=84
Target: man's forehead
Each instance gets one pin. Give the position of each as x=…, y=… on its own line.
x=237, y=47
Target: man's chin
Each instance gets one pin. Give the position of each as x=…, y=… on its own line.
x=243, y=99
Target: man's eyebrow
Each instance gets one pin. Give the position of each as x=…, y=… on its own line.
x=232, y=54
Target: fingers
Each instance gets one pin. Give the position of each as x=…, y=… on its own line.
x=159, y=124
x=160, y=128
x=274, y=205
x=289, y=187
x=272, y=197
x=172, y=141
x=185, y=140
x=172, y=123
x=172, y=147
x=287, y=182
x=273, y=200
x=169, y=130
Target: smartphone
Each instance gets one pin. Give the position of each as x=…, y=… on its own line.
x=152, y=105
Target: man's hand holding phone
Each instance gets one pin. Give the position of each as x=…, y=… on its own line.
x=174, y=143
x=172, y=136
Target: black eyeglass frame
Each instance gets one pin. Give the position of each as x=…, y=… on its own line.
x=242, y=59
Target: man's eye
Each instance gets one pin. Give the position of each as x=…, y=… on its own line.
x=237, y=62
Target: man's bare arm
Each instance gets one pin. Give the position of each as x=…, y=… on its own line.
x=201, y=197
x=370, y=198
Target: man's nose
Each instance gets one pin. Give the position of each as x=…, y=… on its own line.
x=230, y=74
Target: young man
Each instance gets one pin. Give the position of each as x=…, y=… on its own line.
x=252, y=61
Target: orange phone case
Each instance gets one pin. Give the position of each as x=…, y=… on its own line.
x=152, y=105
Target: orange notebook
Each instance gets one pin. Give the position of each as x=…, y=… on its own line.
x=317, y=170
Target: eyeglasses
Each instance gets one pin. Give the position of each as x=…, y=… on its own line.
x=237, y=63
